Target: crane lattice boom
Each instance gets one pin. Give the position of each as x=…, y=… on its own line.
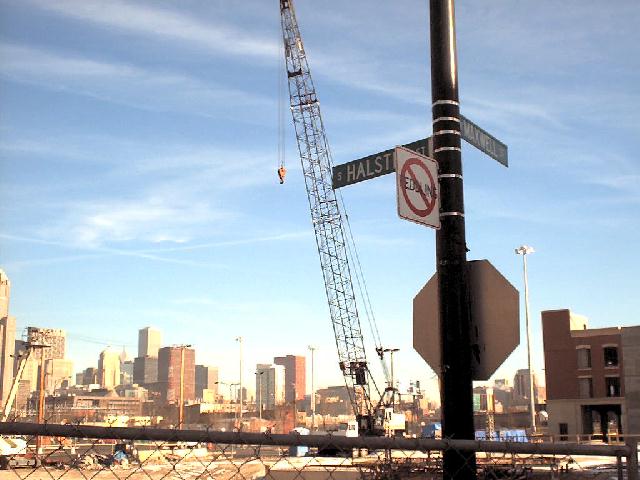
x=326, y=218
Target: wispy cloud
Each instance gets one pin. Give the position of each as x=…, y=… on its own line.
x=151, y=219
x=157, y=23
x=100, y=251
x=217, y=36
x=238, y=242
x=122, y=83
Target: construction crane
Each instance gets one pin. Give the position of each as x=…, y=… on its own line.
x=330, y=232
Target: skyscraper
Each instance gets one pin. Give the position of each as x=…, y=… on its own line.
x=521, y=383
x=145, y=371
x=170, y=366
x=270, y=383
x=149, y=341
x=295, y=376
x=206, y=378
x=109, y=368
x=7, y=338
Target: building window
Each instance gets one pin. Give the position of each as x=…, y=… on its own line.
x=585, y=387
x=613, y=386
x=563, y=429
x=584, y=357
x=610, y=356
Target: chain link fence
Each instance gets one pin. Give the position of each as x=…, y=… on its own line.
x=74, y=452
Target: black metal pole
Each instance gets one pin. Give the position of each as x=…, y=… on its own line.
x=456, y=389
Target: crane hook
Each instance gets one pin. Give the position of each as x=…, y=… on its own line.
x=282, y=172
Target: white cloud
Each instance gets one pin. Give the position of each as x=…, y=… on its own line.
x=148, y=220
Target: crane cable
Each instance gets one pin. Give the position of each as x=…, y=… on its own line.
x=361, y=283
x=281, y=168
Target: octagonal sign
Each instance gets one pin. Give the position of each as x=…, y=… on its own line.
x=495, y=316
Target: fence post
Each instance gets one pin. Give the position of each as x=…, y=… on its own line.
x=632, y=458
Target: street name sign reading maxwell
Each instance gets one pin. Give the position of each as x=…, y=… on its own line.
x=383, y=163
x=418, y=187
x=484, y=142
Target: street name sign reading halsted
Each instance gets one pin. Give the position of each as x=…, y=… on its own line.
x=375, y=165
x=418, y=190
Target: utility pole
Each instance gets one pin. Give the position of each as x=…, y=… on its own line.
x=313, y=391
x=451, y=249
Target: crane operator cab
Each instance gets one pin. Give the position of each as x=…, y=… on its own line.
x=282, y=172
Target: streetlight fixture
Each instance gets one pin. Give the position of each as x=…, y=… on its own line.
x=230, y=386
x=525, y=250
x=313, y=391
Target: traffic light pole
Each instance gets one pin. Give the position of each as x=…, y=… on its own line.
x=451, y=251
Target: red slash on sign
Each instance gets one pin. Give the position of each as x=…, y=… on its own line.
x=412, y=184
x=418, y=189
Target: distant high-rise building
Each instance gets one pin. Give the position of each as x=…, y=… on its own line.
x=53, y=338
x=126, y=368
x=109, y=368
x=5, y=293
x=270, y=383
x=59, y=374
x=126, y=373
x=206, y=378
x=295, y=376
x=170, y=366
x=7, y=338
x=145, y=370
x=90, y=376
x=521, y=384
x=149, y=341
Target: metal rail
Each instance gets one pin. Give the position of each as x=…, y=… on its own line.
x=372, y=443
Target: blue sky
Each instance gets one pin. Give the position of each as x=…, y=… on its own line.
x=138, y=148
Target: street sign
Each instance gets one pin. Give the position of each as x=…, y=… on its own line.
x=495, y=314
x=486, y=143
x=382, y=163
x=375, y=165
x=418, y=189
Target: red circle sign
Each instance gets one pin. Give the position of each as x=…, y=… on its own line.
x=429, y=202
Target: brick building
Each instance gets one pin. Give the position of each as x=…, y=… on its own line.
x=592, y=376
x=294, y=376
x=169, y=367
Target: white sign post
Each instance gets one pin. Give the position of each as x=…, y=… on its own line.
x=417, y=187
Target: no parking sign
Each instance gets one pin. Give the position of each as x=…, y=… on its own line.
x=418, y=188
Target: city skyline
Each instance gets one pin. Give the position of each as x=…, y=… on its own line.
x=138, y=169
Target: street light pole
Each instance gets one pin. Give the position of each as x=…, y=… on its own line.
x=181, y=395
x=313, y=391
x=392, y=382
x=525, y=250
x=259, y=394
x=239, y=340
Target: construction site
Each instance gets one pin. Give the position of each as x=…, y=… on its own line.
x=466, y=323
